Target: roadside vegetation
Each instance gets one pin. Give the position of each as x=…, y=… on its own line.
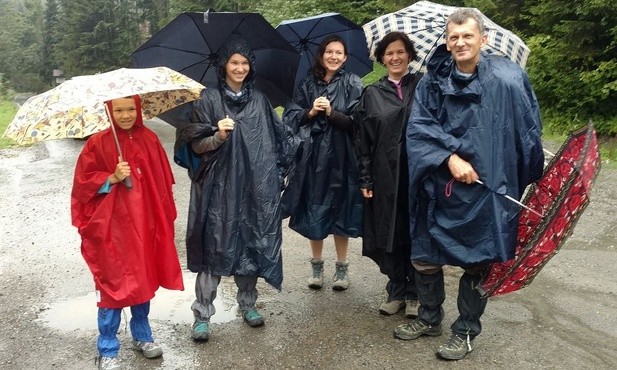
x=7, y=112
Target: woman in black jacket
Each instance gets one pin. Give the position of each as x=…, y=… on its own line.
x=381, y=118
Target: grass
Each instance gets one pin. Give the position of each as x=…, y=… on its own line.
x=7, y=112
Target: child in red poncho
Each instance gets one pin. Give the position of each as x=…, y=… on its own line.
x=127, y=234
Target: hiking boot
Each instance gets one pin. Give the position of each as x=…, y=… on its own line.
x=316, y=281
x=200, y=331
x=411, y=308
x=391, y=307
x=455, y=348
x=253, y=318
x=341, y=282
x=108, y=363
x=149, y=349
x=415, y=329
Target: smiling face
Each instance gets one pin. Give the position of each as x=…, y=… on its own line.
x=124, y=112
x=333, y=58
x=396, y=59
x=236, y=70
x=464, y=41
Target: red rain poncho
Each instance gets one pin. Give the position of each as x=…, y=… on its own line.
x=127, y=235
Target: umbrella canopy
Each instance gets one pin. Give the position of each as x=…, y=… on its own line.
x=425, y=24
x=76, y=109
x=189, y=45
x=561, y=195
x=305, y=35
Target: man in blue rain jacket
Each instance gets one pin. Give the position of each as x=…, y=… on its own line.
x=474, y=117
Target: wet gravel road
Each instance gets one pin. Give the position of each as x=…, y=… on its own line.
x=566, y=319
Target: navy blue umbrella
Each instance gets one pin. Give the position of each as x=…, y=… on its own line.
x=305, y=34
x=189, y=43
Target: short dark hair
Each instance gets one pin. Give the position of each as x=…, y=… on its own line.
x=461, y=15
x=318, y=68
x=391, y=37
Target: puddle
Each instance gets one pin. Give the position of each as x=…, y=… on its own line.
x=174, y=306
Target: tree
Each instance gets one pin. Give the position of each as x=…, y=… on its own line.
x=99, y=35
x=573, y=64
x=50, y=39
x=20, y=43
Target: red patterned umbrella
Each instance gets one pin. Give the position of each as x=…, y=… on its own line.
x=561, y=195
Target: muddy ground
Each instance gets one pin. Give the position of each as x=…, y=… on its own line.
x=566, y=319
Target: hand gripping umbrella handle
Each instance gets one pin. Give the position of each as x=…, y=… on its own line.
x=127, y=180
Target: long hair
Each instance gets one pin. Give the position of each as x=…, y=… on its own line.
x=318, y=69
x=391, y=37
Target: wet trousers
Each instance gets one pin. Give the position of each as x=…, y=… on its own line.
x=109, y=323
x=431, y=295
x=205, y=292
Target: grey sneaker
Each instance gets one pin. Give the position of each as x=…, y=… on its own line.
x=455, y=348
x=341, y=280
x=200, y=331
x=411, y=308
x=415, y=329
x=316, y=281
x=391, y=307
x=149, y=349
x=108, y=363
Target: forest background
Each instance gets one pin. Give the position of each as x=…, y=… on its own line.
x=572, y=65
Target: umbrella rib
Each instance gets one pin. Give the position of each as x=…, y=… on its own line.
x=181, y=50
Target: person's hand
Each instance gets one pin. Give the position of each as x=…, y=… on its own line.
x=225, y=125
x=122, y=171
x=321, y=104
x=367, y=193
x=461, y=170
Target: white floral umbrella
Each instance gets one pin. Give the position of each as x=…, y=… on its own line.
x=76, y=109
x=425, y=24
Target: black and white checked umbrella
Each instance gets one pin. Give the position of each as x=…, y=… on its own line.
x=425, y=24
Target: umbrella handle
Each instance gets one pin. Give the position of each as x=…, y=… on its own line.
x=128, y=182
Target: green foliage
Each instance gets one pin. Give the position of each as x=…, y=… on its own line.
x=7, y=112
x=573, y=61
x=378, y=72
x=20, y=40
x=98, y=35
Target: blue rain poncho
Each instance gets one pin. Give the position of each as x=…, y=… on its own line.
x=491, y=121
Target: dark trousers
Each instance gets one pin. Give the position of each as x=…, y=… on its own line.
x=401, y=275
x=432, y=294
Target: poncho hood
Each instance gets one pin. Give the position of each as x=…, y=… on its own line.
x=235, y=45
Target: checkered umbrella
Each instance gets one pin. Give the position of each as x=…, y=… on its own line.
x=425, y=24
